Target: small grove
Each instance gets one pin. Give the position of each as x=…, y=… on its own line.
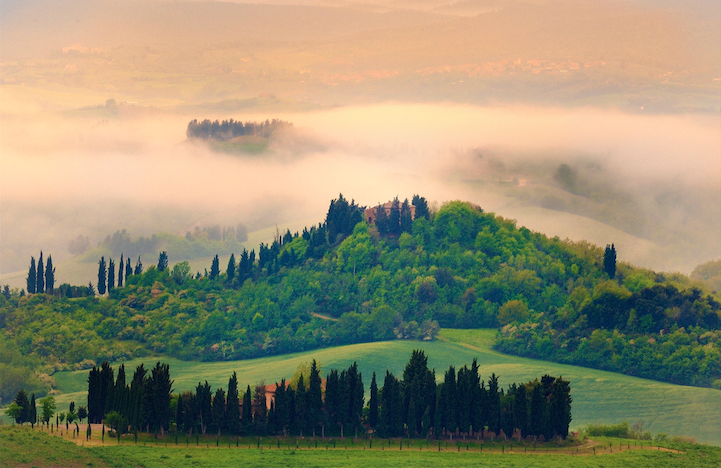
x=346, y=281
x=413, y=405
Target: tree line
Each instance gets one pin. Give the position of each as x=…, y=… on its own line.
x=228, y=129
x=41, y=279
x=411, y=406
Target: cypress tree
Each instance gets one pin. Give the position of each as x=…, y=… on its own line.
x=282, y=407
x=406, y=221
x=450, y=395
x=49, y=276
x=128, y=270
x=560, y=407
x=215, y=269
x=21, y=399
x=107, y=384
x=32, y=411
x=136, y=398
x=94, y=398
x=111, y=275
x=394, y=218
x=32, y=277
x=40, y=281
x=163, y=261
x=537, y=410
x=494, y=405
x=520, y=410
x=381, y=221
x=232, y=410
x=247, y=420
x=230, y=271
x=179, y=423
x=218, y=410
x=138, y=267
x=121, y=271
x=609, y=261
x=102, y=276
x=373, y=403
x=315, y=398
x=301, y=406
x=203, y=406
x=332, y=399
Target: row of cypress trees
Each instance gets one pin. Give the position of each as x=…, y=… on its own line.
x=106, y=273
x=414, y=406
x=41, y=278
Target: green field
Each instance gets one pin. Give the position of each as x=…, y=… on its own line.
x=599, y=397
x=25, y=447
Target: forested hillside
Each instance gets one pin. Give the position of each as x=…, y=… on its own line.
x=344, y=281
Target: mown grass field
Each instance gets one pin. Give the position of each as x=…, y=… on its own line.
x=599, y=396
x=21, y=446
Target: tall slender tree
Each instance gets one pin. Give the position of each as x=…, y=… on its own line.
x=163, y=261
x=315, y=398
x=138, y=267
x=230, y=271
x=215, y=269
x=32, y=277
x=121, y=271
x=40, y=281
x=232, y=410
x=128, y=270
x=102, y=276
x=49, y=276
x=111, y=275
x=373, y=403
x=247, y=419
x=421, y=207
x=609, y=261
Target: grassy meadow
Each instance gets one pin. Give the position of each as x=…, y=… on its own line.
x=21, y=446
x=598, y=396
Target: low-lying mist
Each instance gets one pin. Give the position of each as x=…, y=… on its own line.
x=650, y=184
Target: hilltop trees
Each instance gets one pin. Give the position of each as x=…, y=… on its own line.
x=49, y=276
x=32, y=277
x=102, y=276
x=609, y=261
x=40, y=281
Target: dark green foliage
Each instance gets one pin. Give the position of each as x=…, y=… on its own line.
x=391, y=411
x=218, y=422
x=421, y=207
x=315, y=399
x=204, y=406
x=111, y=275
x=138, y=267
x=247, y=418
x=49, y=276
x=232, y=409
x=102, y=276
x=228, y=129
x=342, y=218
x=40, y=281
x=230, y=271
x=609, y=261
x=163, y=261
x=215, y=269
x=373, y=403
x=21, y=399
x=32, y=277
x=128, y=269
x=121, y=271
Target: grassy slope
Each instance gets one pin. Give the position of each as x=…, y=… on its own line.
x=599, y=397
x=23, y=447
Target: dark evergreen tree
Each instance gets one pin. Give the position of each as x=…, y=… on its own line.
x=283, y=407
x=406, y=218
x=560, y=407
x=111, y=275
x=218, y=411
x=609, y=261
x=391, y=414
x=394, y=218
x=537, y=410
x=230, y=271
x=315, y=398
x=333, y=400
x=342, y=218
x=247, y=420
x=421, y=207
x=121, y=271
x=373, y=404
x=179, y=411
x=520, y=410
x=49, y=275
x=95, y=410
x=163, y=261
x=40, y=277
x=203, y=406
x=419, y=383
x=494, y=405
x=21, y=399
x=102, y=276
x=449, y=393
x=232, y=411
x=156, y=403
x=128, y=270
x=136, y=398
x=32, y=277
x=107, y=384
x=138, y=267
x=301, y=406
x=6, y=292
x=32, y=411
x=215, y=269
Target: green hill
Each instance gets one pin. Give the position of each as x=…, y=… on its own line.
x=598, y=396
x=344, y=281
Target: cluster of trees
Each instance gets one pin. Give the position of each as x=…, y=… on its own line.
x=142, y=404
x=41, y=279
x=106, y=271
x=414, y=406
x=228, y=129
x=340, y=283
x=23, y=410
x=399, y=218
